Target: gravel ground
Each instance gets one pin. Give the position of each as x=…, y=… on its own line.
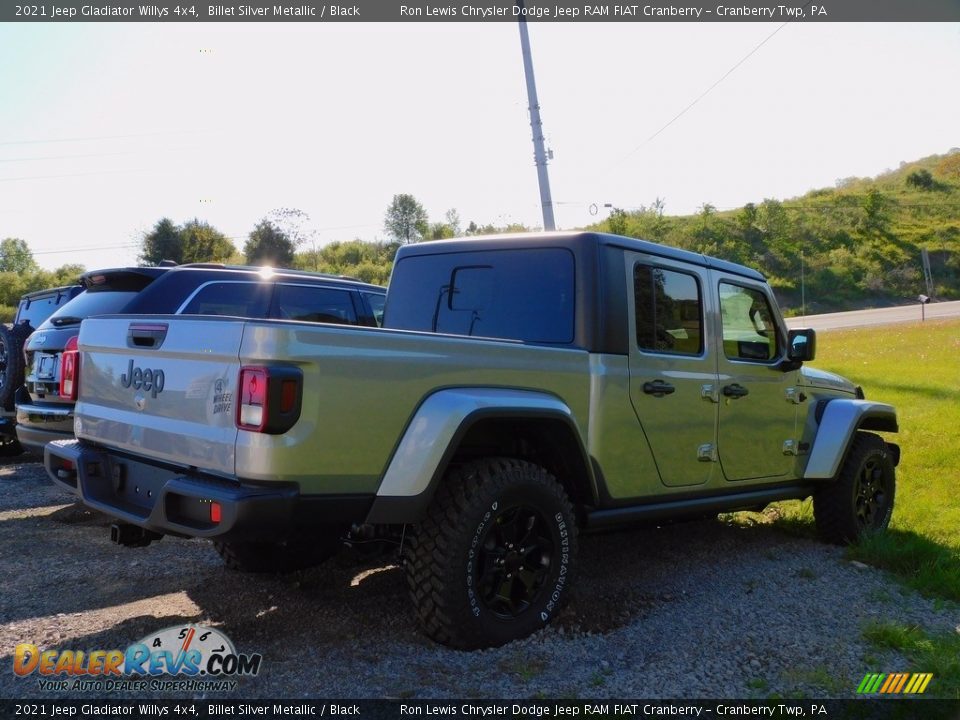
x=690, y=610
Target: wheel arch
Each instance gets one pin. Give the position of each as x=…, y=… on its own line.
x=839, y=419
x=455, y=425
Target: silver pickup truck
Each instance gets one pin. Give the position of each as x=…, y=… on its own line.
x=523, y=389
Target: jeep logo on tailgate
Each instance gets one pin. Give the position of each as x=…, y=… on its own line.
x=140, y=379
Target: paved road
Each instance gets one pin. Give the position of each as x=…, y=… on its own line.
x=880, y=316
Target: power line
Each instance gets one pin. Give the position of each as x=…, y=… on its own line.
x=86, y=249
x=709, y=89
x=705, y=92
x=83, y=174
x=95, y=138
x=62, y=157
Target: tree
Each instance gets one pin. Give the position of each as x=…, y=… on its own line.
x=921, y=179
x=293, y=223
x=194, y=241
x=617, y=221
x=201, y=242
x=405, y=220
x=162, y=243
x=875, y=208
x=15, y=257
x=268, y=245
x=453, y=221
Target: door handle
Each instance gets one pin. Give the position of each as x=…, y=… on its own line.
x=735, y=391
x=658, y=388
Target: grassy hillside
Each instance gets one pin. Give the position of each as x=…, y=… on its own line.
x=860, y=241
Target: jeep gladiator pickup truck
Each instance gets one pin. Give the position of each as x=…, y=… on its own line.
x=522, y=389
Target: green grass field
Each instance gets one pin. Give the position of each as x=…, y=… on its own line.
x=916, y=368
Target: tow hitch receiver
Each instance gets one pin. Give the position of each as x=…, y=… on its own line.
x=132, y=535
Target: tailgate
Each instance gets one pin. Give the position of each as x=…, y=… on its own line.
x=162, y=388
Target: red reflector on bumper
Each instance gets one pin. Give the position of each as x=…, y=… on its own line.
x=215, y=512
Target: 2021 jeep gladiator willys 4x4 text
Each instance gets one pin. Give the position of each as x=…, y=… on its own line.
x=523, y=388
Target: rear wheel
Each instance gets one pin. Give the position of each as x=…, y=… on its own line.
x=297, y=552
x=860, y=499
x=492, y=561
x=11, y=362
x=9, y=446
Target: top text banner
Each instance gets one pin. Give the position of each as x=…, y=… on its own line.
x=480, y=11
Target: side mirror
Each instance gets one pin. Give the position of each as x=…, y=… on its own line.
x=802, y=344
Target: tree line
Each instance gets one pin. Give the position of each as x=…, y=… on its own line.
x=857, y=244
x=281, y=239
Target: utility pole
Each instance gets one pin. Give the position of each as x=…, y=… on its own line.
x=539, y=151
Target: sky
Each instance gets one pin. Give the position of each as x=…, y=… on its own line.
x=106, y=128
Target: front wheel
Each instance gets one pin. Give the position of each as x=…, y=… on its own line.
x=860, y=499
x=493, y=560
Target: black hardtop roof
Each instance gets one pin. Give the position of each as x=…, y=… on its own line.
x=577, y=240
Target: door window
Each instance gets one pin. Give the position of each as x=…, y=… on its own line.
x=236, y=299
x=314, y=304
x=749, y=332
x=668, y=309
x=376, y=302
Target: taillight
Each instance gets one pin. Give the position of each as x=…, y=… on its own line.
x=70, y=370
x=269, y=399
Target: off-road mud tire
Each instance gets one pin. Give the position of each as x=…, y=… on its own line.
x=455, y=557
x=11, y=362
x=860, y=499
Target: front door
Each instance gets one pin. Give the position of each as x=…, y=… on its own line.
x=758, y=414
x=672, y=367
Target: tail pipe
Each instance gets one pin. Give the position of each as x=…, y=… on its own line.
x=132, y=535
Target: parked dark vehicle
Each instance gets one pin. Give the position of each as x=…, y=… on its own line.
x=32, y=310
x=45, y=404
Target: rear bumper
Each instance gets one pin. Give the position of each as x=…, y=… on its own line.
x=170, y=502
x=39, y=424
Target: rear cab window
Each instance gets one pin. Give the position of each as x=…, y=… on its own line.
x=488, y=293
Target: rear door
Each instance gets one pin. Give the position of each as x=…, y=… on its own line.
x=672, y=371
x=164, y=388
x=758, y=413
